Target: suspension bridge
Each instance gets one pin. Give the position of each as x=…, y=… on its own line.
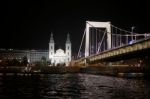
x=103, y=42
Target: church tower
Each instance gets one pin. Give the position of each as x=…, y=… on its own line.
x=51, y=48
x=68, y=48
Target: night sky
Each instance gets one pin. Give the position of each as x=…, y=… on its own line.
x=28, y=24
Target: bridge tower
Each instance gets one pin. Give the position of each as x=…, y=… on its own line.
x=89, y=24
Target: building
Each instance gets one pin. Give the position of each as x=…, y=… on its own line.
x=60, y=56
x=13, y=54
x=37, y=55
x=54, y=57
x=32, y=55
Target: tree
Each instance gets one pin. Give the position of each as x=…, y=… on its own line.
x=14, y=62
x=24, y=60
x=43, y=59
x=49, y=62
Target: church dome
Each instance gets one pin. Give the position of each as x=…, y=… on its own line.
x=60, y=52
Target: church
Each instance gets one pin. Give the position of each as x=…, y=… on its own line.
x=59, y=56
x=55, y=57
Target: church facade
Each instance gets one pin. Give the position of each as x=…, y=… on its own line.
x=60, y=56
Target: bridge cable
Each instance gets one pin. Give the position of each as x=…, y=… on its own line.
x=81, y=42
x=102, y=40
x=96, y=40
x=112, y=44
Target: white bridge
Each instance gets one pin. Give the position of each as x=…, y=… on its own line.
x=104, y=40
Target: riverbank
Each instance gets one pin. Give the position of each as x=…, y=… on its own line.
x=117, y=71
x=127, y=72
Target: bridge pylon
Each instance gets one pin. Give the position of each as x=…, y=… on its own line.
x=89, y=24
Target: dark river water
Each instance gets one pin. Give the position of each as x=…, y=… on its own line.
x=72, y=86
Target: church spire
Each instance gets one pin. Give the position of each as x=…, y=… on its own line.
x=51, y=38
x=68, y=38
x=68, y=48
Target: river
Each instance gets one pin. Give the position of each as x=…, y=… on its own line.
x=72, y=86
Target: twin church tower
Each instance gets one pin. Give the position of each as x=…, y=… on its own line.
x=60, y=56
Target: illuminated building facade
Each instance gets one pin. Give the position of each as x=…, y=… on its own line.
x=60, y=56
x=54, y=57
x=32, y=55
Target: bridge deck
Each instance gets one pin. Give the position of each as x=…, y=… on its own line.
x=119, y=51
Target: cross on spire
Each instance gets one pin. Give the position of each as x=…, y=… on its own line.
x=51, y=38
x=68, y=38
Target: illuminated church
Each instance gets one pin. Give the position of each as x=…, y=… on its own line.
x=59, y=56
x=55, y=57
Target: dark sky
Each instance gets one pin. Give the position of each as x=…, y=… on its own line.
x=28, y=24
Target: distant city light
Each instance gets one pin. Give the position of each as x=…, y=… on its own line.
x=10, y=49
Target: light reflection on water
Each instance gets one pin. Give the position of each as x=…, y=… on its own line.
x=72, y=86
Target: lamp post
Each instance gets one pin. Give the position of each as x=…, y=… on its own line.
x=132, y=28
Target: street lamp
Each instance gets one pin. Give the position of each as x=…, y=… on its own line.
x=132, y=28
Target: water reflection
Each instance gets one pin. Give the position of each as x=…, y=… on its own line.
x=62, y=86
x=19, y=87
x=72, y=86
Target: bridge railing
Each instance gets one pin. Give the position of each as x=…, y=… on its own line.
x=128, y=40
